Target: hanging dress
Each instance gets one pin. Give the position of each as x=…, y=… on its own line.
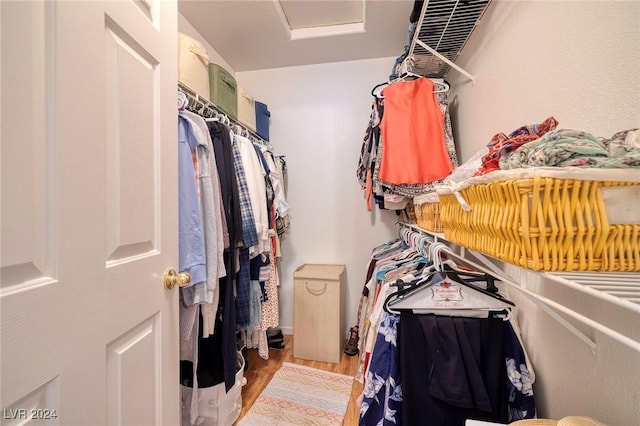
x=414, y=150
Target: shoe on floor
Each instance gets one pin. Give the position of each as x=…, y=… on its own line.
x=351, y=347
x=276, y=340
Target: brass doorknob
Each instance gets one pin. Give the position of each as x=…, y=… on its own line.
x=172, y=278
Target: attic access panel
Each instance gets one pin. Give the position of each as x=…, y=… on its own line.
x=445, y=26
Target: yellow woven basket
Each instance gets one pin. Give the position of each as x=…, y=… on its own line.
x=428, y=216
x=409, y=213
x=548, y=223
x=427, y=210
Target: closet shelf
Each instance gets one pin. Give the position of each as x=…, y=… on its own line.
x=617, y=289
x=441, y=33
x=196, y=100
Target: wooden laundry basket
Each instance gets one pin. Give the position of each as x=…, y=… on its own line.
x=548, y=222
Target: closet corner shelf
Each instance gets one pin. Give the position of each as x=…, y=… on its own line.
x=441, y=33
x=617, y=289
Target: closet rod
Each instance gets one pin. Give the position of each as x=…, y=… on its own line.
x=199, y=98
x=633, y=344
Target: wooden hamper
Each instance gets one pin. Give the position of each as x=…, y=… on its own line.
x=319, y=320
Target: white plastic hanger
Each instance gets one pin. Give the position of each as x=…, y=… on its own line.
x=183, y=100
x=439, y=293
x=214, y=117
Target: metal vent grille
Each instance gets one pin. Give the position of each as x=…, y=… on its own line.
x=445, y=26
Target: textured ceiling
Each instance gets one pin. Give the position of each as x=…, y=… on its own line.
x=253, y=35
x=310, y=14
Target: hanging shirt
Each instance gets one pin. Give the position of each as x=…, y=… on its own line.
x=257, y=192
x=191, y=250
x=277, y=181
x=209, y=189
x=414, y=150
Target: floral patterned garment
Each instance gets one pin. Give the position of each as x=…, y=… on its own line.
x=521, y=401
x=501, y=145
x=565, y=148
x=382, y=394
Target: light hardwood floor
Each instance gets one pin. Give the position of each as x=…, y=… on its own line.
x=261, y=371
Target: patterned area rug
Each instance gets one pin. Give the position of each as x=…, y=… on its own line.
x=301, y=395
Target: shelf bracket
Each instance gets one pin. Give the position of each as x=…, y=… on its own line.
x=447, y=60
x=501, y=275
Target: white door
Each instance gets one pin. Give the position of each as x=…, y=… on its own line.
x=89, y=215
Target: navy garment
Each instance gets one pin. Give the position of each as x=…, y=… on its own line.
x=382, y=393
x=224, y=346
x=243, y=290
x=228, y=183
x=521, y=401
x=452, y=369
x=415, y=12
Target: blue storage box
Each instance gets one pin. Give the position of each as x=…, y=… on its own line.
x=262, y=120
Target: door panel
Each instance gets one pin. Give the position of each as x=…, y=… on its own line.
x=131, y=172
x=132, y=366
x=37, y=405
x=26, y=187
x=88, y=213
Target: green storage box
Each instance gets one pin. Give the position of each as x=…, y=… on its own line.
x=224, y=90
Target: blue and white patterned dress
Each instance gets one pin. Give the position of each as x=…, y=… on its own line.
x=382, y=395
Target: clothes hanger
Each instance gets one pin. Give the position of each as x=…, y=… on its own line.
x=183, y=100
x=413, y=267
x=198, y=105
x=202, y=109
x=443, y=295
x=214, y=116
x=442, y=83
x=450, y=294
x=376, y=92
x=406, y=260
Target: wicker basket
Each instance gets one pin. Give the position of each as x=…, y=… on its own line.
x=547, y=219
x=408, y=215
x=427, y=210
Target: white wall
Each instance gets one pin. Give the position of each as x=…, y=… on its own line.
x=319, y=114
x=579, y=62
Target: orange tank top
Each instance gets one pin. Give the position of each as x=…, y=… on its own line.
x=413, y=146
